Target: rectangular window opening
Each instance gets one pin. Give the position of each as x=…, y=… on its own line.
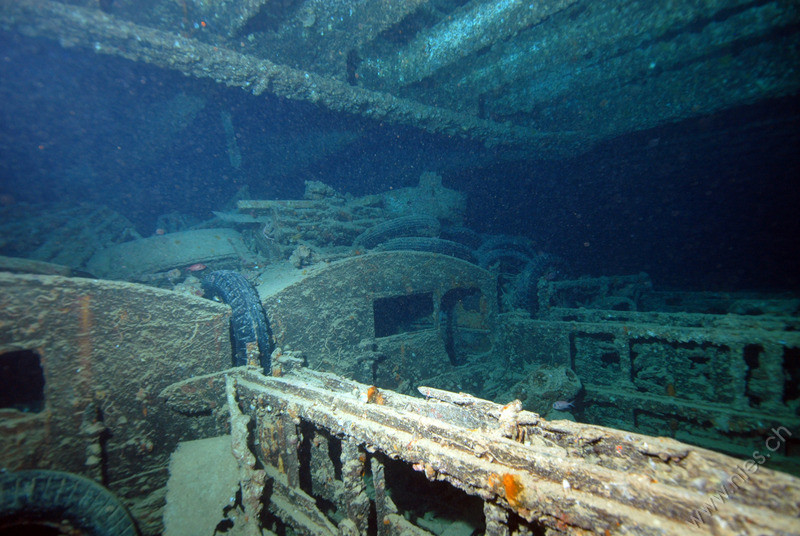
x=21, y=381
x=403, y=314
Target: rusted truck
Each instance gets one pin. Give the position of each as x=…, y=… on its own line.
x=354, y=422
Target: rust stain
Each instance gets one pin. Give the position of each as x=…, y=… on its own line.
x=509, y=486
x=374, y=396
x=513, y=489
x=85, y=343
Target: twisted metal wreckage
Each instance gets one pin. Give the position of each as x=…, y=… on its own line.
x=131, y=373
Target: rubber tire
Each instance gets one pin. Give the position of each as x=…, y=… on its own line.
x=45, y=498
x=248, y=322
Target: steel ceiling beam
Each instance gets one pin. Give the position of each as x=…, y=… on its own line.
x=105, y=34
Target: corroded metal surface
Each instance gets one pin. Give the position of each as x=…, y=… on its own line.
x=548, y=78
x=333, y=311
x=75, y=26
x=130, y=371
x=132, y=259
x=106, y=350
x=470, y=29
x=720, y=380
x=558, y=475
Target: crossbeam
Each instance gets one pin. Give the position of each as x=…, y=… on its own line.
x=93, y=29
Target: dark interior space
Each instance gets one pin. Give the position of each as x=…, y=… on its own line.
x=702, y=204
x=525, y=268
x=416, y=496
x=401, y=314
x=706, y=203
x=21, y=381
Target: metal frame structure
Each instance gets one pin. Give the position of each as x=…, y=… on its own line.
x=547, y=79
x=306, y=439
x=327, y=455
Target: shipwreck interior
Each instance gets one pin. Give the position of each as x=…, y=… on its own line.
x=456, y=67
x=406, y=382
x=344, y=364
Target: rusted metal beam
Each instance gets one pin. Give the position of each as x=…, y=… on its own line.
x=473, y=27
x=571, y=477
x=74, y=26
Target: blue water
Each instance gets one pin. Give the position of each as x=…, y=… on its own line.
x=701, y=204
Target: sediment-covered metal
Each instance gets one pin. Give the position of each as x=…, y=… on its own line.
x=105, y=34
x=104, y=350
x=561, y=475
x=543, y=79
x=475, y=26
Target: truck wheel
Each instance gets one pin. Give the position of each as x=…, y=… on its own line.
x=58, y=503
x=248, y=322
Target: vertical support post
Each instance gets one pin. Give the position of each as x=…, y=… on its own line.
x=287, y=444
x=771, y=374
x=383, y=504
x=738, y=372
x=251, y=479
x=496, y=519
x=355, y=497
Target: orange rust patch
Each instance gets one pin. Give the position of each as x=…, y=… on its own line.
x=85, y=343
x=508, y=486
x=374, y=396
x=513, y=489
